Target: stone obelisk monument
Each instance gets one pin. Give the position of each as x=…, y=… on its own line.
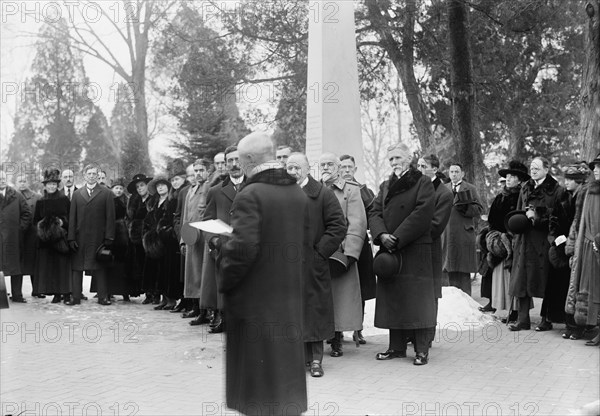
x=333, y=97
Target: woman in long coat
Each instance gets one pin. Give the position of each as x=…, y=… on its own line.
x=155, y=273
x=53, y=264
x=500, y=240
x=585, y=274
x=137, y=208
x=531, y=267
x=400, y=221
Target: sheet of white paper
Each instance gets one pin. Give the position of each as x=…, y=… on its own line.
x=213, y=227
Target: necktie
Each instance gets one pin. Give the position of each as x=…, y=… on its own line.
x=69, y=193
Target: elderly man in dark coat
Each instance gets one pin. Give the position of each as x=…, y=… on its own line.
x=400, y=221
x=327, y=231
x=531, y=266
x=29, y=249
x=218, y=206
x=91, y=224
x=15, y=218
x=263, y=284
x=458, y=240
x=429, y=166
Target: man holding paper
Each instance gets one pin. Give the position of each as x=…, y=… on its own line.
x=262, y=281
x=218, y=206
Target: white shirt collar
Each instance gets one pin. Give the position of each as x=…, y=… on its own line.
x=304, y=182
x=237, y=181
x=91, y=187
x=538, y=183
x=271, y=164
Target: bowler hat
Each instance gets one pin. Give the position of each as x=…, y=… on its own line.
x=386, y=265
x=140, y=177
x=104, y=254
x=51, y=175
x=574, y=171
x=595, y=162
x=515, y=168
x=517, y=222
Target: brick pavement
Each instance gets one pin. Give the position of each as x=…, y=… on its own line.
x=128, y=359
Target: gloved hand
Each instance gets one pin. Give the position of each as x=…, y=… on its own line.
x=214, y=243
x=73, y=245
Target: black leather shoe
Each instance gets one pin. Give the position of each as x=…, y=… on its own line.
x=72, y=302
x=84, y=297
x=200, y=319
x=179, y=308
x=104, y=302
x=544, y=326
x=191, y=314
x=160, y=306
x=169, y=308
x=487, y=308
x=512, y=317
x=421, y=358
x=156, y=300
x=20, y=299
x=38, y=295
x=567, y=333
x=358, y=337
x=147, y=300
x=577, y=334
x=218, y=328
x=56, y=299
x=518, y=326
x=316, y=370
x=126, y=298
x=389, y=354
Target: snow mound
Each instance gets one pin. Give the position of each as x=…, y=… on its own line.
x=459, y=310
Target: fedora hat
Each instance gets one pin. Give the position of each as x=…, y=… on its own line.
x=140, y=177
x=515, y=168
x=386, y=265
x=338, y=264
x=51, y=175
x=595, y=162
x=517, y=222
x=464, y=197
x=189, y=234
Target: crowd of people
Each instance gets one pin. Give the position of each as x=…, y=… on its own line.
x=301, y=250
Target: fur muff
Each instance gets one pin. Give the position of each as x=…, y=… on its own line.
x=165, y=230
x=557, y=257
x=153, y=245
x=121, y=235
x=581, y=308
x=49, y=229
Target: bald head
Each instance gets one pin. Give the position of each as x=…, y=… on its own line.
x=254, y=149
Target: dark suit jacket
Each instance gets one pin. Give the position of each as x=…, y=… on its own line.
x=441, y=216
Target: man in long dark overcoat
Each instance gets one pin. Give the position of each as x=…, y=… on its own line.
x=91, y=224
x=15, y=218
x=531, y=267
x=218, y=206
x=429, y=165
x=263, y=284
x=458, y=240
x=327, y=231
x=400, y=221
x=30, y=235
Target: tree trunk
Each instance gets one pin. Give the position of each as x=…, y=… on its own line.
x=141, y=112
x=516, y=141
x=402, y=57
x=589, y=127
x=462, y=90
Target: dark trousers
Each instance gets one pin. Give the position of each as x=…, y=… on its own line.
x=523, y=305
x=313, y=351
x=99, y=278
x=16, y=286
x=421, y=338
x=461, y=280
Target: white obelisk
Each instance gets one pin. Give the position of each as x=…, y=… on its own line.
x=333, y=97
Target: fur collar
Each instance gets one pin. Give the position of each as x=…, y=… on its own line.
x=403, y=184
x=548, y=186
x=9, y=195
x=594, y=187
x=511, y=191
x=272, y=176
x=312, y=188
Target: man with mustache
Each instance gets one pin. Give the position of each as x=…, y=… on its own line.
x=218, y=206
